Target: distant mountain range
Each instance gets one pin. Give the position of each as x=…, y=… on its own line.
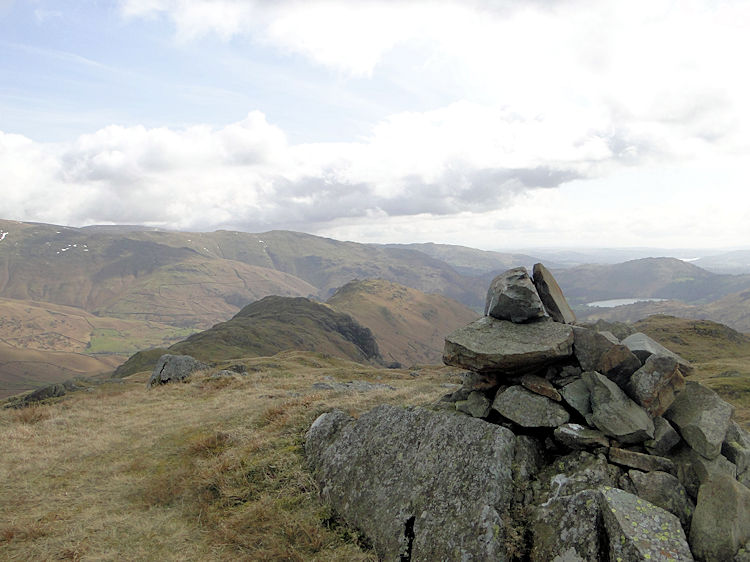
x=189, y=282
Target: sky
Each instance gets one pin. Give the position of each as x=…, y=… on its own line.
x=499, y=125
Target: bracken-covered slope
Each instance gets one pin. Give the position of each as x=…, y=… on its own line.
x=274, y=324
x=409, y=325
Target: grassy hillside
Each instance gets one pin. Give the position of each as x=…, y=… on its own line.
x=409, y=325
x=275, y=324
x=42, y=343
x=210, y=470
x=24, y=369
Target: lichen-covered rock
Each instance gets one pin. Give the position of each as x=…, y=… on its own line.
x=491, y=345
x=701, y=418
x=569, y=527
x=614, y=413
x=643, y=347
x=512, y=296
x=665, y=438
x=639, y=530
x=576, y=436
x=552, y=296
x=721, y=523
x=664, y=491
x=476, y=405
x=174, y=368
x=573, y=473
x=420, y=485
x=655, y=385
x=529, y=409
x=597, y=352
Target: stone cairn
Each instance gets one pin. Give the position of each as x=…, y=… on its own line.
x=674, y=443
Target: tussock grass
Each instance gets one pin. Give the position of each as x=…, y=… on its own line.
x=208, y=470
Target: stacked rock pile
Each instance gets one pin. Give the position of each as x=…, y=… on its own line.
x=672, y=443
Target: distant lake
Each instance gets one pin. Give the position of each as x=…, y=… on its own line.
x=620, y=302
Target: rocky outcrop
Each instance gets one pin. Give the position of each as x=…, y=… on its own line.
x=174, y=368
x=613, y=453
x=644, y=347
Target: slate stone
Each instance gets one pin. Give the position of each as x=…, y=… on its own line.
x=643, y=347
x=540, y=385
x=655, y=385
x=665, y=438
x=552, y=296
x=476, y=405
x=576, y=436
x=633, y=459
x=693, y=469
x=578, y=396
x=664, y=491
x=721, y=523
x=491, y=345
x=174, y=368
x=568, y=527
x=701, y=418
x=529, y=409
x=596, y=352
x=614, y=413
x=512, y=296
x=639, y=530
x=420, y=485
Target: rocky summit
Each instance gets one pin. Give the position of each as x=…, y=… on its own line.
x=563, y=444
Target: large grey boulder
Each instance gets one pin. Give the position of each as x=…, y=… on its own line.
x=639, y=530
x=596, y=351
x=174, y=368
x=655, y=385
x=552, y=296
x=644, y=347
x=701, y=418
x=421, y=485
x=578, y=396
x=500, y=346
x=721, y=523
x=529, y=409
x=614, y=413
x=664, y=491
x=512, y=296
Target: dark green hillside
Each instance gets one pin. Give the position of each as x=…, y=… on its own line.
x=276, y=324
x=667, y=278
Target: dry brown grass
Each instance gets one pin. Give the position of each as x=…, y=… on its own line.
x=210, y=470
